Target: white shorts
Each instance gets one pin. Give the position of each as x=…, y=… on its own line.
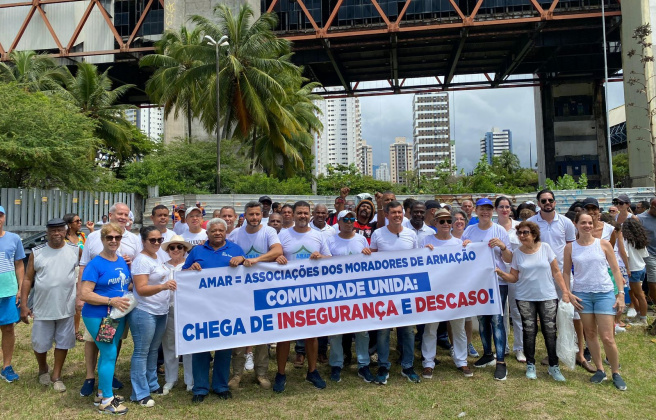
x=59, y=331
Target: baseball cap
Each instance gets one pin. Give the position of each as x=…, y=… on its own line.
x=2, y=210
x=442, y=213
x=590, y=201
x=624, y=198
x=190, y=209
x=484, y=202
x=344, y=213
x=432, y=204
x=265, y=198
x=56, y=222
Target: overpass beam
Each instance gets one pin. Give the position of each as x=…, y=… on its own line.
x=394, y=60
x=519, y=53
x=336, y=65
x=455, y=56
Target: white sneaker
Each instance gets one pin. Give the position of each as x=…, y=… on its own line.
x=249, y=366
x=190, y=388
x=167, y=388
x=619, y=329
x=631, y=313
x=519, y=355
x=452, y=352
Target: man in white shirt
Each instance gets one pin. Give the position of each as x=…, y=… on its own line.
x=382, y=200
x=130, y=247
x=180, y=227
x=416, y=222
x=195, y=234
x=160, y=218
x=266, y=201
x=260, y=243
x=318, y=222
x=391, y=238
x=298, y=243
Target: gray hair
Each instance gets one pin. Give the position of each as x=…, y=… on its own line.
x=112, y=209
x=216, y=221
x=460, y=212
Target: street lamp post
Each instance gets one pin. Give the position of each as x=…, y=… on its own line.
x=222, y=42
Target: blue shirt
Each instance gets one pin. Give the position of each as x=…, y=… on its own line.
x=473, y=221
x=207, y=257
x=11, y=250
x=112, y=279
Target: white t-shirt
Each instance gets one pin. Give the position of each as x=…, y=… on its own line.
x=405, y=221
x=131, y=245
x=255, y=244
x=264, y=221
x=439, y=242
x=180, y=228
x=161, y=254
x=636, y=257
x=157, y=304
x=384, y=240
x=172, y=269
x=195, y=238
x=475, y=234
x=327, y=229
x=557, y=233
x=535, y=280
x=341, y=246
x=299, y=246
x=422, y=232
x=514, y=240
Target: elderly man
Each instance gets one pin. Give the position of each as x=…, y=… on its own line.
x=318, y=222
x=194, y=234
x=214, y=252
x=275, y=221
x=51, y=272
x=131, y=246
x=11, y=279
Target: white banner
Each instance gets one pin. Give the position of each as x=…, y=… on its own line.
x=232, y=307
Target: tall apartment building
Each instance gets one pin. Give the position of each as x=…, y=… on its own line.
x=342, y=131
x=400, y=160
x=495, y=143
x=431, y=132
x=365, y=158
x=382, y=172
x=151, y=122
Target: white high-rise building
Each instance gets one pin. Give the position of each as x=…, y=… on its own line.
x=400, y=160
x=431, y=132
x=382, y=173
x=151, y=122
x=342, y=131
x=495, y=143
x=365, y=158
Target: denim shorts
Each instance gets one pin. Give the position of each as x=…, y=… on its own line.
x=597, y=303
x=638, y=276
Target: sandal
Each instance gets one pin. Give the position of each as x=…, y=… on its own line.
x=79, y=337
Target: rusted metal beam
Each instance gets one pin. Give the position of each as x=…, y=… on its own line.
x=333, y=14
x=553, y=6
x=457, y=9
x=49, y=26
x=538, y=7
x=405, y=8
x=21, y=31
x=475, y=11
x=381, y=13
x=455, y=56
x=309, y=16
x=139, y=23
x=273, y=4
x=522, y=48
x=80, y=25
x=336, y=66
x=109, y=22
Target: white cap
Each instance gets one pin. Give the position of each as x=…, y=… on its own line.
x=190, y=209
x=343, y=214
x=131, y=215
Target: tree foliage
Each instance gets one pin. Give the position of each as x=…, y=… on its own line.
x=621, y=170
x=349, y=176
x=45, y=142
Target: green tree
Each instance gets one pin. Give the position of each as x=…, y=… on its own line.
x=349, y=176
x=32, y=71
x=45, y=142
x=92, y=93
x=621, y=170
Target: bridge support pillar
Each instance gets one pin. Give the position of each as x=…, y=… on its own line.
x=571, y=132
x=641, y=156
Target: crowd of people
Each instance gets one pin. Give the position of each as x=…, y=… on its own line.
x=117, y=281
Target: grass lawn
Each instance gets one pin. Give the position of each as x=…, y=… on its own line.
x=447, y=395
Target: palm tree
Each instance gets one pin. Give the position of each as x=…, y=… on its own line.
x=31, y=70
x=172, y=60
x=92, y=93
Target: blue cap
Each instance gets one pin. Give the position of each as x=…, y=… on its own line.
x=484, y=202
x=2, y=210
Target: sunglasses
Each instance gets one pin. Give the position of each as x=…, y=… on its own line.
x=77, y=221
x=443, y=221
x=178, y=247
x=621, y=203
x=523, y=233
x=348, y=219
x=547, y=200
x=110, y=238
x=154, y=241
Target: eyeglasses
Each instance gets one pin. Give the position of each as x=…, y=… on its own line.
x=178, y=247
x=523, y=232
x=443, y=221
x=154, y=241
x=348, y=219
x=547, y=200
x=110, y=238
x=77, y=221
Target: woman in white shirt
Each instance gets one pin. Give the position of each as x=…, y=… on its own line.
x=148, y=318
x=635, y=243
x=533, y=267
x=592, y=294
x=177, y=249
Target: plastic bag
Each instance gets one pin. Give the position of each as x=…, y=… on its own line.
x=566, y=345
x=118, y=314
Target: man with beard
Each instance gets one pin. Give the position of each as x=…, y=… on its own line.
x=363, y=225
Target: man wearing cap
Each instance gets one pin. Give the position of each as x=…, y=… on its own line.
x=160, y=218
x=195, y=234
x=391, y=238
x=648, y=220
x=266, y=202
x=181, y=226
x=12, y=269
x=300, y=242
x=318, y=222
x=260, y=243
x=492, y=326
x=51, y=272
x=130, y=247
x=347, y=242
x=364, y=213
x=416, y=222
x=623, y=204
x=432, y=206
x=443, y=221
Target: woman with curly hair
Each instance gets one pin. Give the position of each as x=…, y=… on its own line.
x=635, y=243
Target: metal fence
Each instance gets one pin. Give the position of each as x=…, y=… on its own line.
x=28, y=210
